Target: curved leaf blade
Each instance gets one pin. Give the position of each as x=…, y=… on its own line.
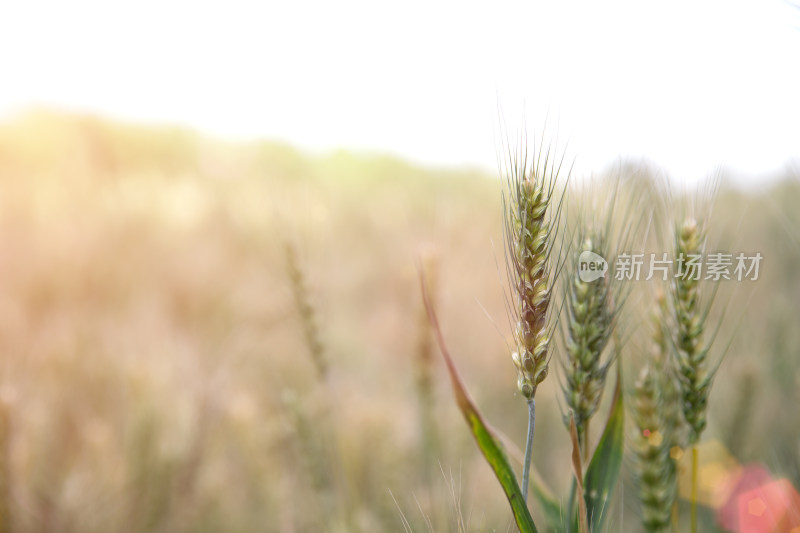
x=487, y=442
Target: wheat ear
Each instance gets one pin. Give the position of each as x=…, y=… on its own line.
x=695, y=380
x=657, y=419
x=655, y=468
x=590, y=321
x=530, y=227
x=308, y=317
x=691, y=354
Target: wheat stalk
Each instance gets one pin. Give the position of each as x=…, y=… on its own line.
x=657, y=419
x=695, y=379
x=655, y=468
x=691, y=354
x=593, y=304
x=664, y=366
x=590, y=321
x=530, y=231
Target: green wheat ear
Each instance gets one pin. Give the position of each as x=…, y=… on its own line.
x=590, y=321
x=654, y=467
x=691, y=353
x=689, y=318
x=605, y=225
x=664, y=366
x=656, y=415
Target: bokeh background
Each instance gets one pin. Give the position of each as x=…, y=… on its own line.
x=212, y=222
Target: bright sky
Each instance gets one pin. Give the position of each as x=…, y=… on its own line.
x=689, y=85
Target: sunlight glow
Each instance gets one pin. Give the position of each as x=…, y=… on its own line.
x=691, y=86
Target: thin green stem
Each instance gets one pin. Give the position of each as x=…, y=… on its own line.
x=586, y=442
x=526, y=467
x=573, y=493
x=675, y=517
x=694, y=490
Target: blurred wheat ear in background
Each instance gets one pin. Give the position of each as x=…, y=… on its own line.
x=690, y=321
x=689, y=316
x=655, y=410
x=655, y=469
x=308, y=319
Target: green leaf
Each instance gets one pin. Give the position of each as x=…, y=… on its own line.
x=603, y=471
x=484, y=436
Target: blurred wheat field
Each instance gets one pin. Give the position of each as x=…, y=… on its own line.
x=155, y=375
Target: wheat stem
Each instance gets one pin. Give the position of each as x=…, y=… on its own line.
x=694, y=490
x=530, y=229
x=675, y=517
x=6, y=519
x=586, y=441
x=694, y=376
x=526, y=467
